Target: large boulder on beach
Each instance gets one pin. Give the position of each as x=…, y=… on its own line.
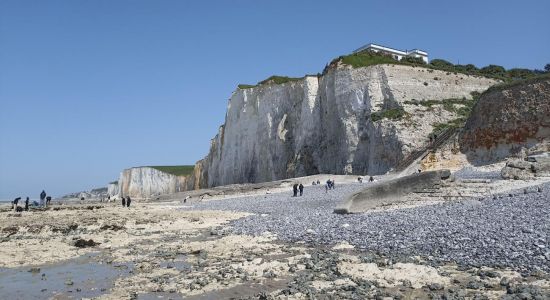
x=529, y=168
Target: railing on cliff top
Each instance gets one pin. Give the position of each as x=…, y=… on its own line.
x=441, y=138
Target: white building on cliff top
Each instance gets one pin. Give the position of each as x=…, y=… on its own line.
x=397, y=54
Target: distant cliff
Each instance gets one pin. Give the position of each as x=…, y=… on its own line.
x=96, y=193
x=148, y=182
x=508, y=118
x=346, y=121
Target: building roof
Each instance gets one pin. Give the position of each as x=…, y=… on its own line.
x=389, y=49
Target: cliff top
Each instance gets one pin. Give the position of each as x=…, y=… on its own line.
x=175, y=170
x=368, y=58
x=510, y=84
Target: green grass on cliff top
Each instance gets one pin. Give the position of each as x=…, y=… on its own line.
x=507, y=85
x=175, y=170
x=368, y=58
x=273, y=79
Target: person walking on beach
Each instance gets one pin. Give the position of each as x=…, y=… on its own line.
x=48, y=200
x=123, y=202
x=295, y=190
x=42, y=197
x=14, y=203
x=128, y=201
x=27, y=204
x=301, y=188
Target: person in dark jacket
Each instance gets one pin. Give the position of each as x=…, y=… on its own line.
x=27, y=204
x=48, y=200
x=42, y=197
x=123, y=202
x=128, y=201
x=301, y=188
x=295, y=190
x=15, y=202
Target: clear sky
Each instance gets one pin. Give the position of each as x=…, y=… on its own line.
x=88, y=88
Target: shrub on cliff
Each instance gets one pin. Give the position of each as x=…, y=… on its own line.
x=279, y=79
x=518, y=73
x=245, y=86
x=367, y=58
x=441, y=64
x=175, y=170
x=413, y=60
x=493, y=70
x=505, y=85
x=392, y=114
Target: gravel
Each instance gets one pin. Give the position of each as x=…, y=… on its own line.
x=473, y=173
x=510, y=230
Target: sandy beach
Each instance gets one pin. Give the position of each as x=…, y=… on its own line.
x=205, y=250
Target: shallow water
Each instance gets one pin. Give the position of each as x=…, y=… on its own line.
x=89, y=277
x=237, y=292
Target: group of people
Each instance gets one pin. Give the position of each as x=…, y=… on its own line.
x=300, y=187
x=360, y=179
x=330, y=185
x=15, y=204
x=45, y=200
x=296, y=188
x=126, y=201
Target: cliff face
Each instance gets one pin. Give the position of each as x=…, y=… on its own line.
x=342, y=123
x=96, y=193
x=112, y=189
x=505, y=120
x=146, y=182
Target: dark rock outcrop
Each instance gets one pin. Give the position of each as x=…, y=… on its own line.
x=508, y=119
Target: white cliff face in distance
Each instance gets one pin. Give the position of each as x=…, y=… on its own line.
x=146, y=182
x=112, y=189
x=326, y=124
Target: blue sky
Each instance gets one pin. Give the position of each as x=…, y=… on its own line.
x=88, y=88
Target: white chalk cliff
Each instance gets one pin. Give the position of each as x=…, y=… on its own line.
x=146, y=182
x=325, y=124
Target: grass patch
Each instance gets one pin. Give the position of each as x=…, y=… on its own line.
x=368, y=58
x=175, y=170
x=448, y=104
x=245, y=86
x=463, y=113
x=507, y=85
x=391, y=114
x=280, y=79
x=275, y=79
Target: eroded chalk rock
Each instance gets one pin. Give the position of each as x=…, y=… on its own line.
x=533, y=166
